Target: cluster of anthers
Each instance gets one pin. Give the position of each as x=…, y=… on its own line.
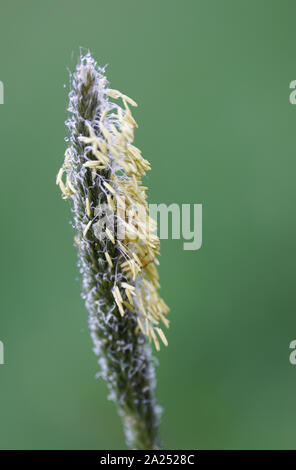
x=110, y=143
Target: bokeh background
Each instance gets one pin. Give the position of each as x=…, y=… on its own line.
x=212, y=81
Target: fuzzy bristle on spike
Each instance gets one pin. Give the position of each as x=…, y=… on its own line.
x=120, y=279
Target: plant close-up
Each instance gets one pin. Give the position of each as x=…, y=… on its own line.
x=117, y=246
x=148, y=229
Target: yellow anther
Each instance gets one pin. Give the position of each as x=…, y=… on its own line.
x=87, y=228
x=109, y=260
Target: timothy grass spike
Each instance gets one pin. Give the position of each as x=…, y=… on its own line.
x=120, y=279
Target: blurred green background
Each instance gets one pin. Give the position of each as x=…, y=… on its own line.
x=212, y=81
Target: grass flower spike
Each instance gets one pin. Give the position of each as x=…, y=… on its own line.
x=117, y=246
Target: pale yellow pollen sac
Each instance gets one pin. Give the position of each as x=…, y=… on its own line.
x=105, y=112
x=118, y=301
x=113, y=93
x=128, y=117
x=89, y=140
x=141, y=326
x=59, y=175
x=110, y=236
x=135, y=269
x=135, y=151
x=120, y=308
x=95, y=164
x=125, y=285
x=70, y=185
x=109, y=260
x=85, y=140
x=162, y=336
x=154, y=337
x=107, y=185
x=129, y=296
x=119, y=114
x=117, y=94
x=118, y=294
x=62, y=187
x=148, y=330
x=110, y=202
x=87, y=228
x=88, y=211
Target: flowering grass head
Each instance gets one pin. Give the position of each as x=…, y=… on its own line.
x=117, y=245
